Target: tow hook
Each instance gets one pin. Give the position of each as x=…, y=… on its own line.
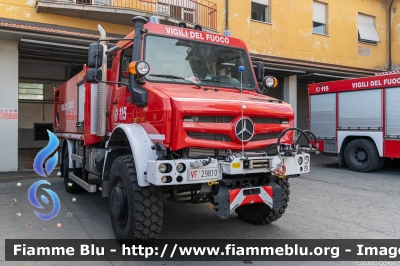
x=212, y=183
x=222, y=182
x=280, y=170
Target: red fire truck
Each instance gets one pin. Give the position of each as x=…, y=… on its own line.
x=359, y=119
x=178, y=112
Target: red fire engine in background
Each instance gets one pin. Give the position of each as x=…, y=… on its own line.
x=359, y=119
x=178, y=112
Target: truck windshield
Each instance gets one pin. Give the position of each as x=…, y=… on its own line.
x=212, y=65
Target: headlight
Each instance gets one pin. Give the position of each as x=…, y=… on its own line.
x=270, y=82
x=142, y=68
x=300, y=160
x=306, y=168
x=306, y=159
x=166, y=179
x=180, y=168
x=162, y=168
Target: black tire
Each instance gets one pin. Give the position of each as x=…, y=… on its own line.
x=70, y=186
x=140, y=217
x=380, y=164
x=361, y=155
x=261, y=213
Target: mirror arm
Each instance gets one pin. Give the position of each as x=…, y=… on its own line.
x=115, y=39
x=112, y=82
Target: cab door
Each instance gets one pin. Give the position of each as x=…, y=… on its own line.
x=122, y=110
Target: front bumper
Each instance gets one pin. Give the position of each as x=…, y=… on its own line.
x=276, y=165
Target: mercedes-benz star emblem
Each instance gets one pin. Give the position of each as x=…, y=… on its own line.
x=244, y=129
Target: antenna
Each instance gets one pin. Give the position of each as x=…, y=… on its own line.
x=242, y=106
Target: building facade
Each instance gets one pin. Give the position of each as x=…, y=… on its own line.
x=44, y=42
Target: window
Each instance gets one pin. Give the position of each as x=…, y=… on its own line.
x=30, y=91
x=84, y=2
x=188, y=14
x=208, y=64
x=366, y=29
x=125, y=60
x=260, y=10
x=183, y=10
x=319, y=18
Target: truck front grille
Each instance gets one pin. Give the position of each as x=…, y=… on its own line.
x=229, y=119
x=209, y=136
x=259, y=137
x=208, y=119
x=194, y=152
x=226, y=138
x=266, y=120
x=197, y=152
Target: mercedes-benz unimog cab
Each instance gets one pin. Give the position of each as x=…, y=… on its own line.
x=182, y=113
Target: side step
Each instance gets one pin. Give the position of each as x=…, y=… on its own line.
x=81, y=183
x=77, y=158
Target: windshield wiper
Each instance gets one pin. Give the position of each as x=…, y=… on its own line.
x=234, y=87
x=175, y=77
x=218, y=81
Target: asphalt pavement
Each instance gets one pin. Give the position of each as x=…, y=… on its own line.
x=330, y=202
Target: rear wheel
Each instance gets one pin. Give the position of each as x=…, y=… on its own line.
x=136, y=212
x=70, y=186
x=380, y=164
x=361, y=155
x=261, y=213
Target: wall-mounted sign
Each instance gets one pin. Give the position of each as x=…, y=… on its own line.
x=8, y=113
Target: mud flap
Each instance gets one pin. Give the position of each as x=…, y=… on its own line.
x=227, y=200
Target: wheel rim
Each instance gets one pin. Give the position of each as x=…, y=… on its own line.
x=117, y=203
x=359, y=156
x=122, y=210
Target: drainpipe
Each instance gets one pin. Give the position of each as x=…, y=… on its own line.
x=390, y=34
x=227, y=32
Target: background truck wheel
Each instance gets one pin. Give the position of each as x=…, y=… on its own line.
x=136, y=212
x=381, y=163
x=70, y=186
x=261, y=213
x=361, y=155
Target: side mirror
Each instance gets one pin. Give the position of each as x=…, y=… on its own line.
x=260, y=71
x=261, y=88
x=95, y=61
x=93, y=75
x=95, y=55
x=112, y=51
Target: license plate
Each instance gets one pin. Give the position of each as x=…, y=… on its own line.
x=208, y=173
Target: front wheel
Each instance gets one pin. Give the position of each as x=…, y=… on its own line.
x=261, y=213
x=136, y=212
x=361, y=155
